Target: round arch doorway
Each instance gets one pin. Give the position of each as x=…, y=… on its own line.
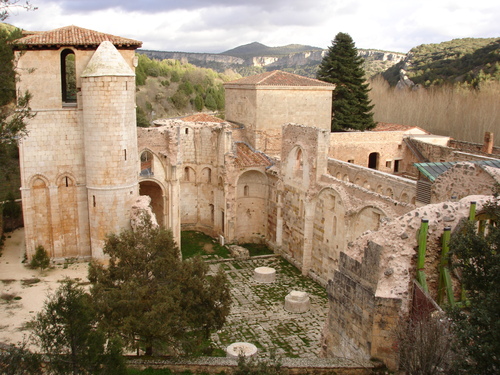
x=155, y=192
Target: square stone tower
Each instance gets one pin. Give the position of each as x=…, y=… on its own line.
x=79, y=162
x=263, y=103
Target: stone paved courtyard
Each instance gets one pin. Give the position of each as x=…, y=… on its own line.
x=257, y=314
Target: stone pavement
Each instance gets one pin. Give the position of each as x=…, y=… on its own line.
x=257, y=314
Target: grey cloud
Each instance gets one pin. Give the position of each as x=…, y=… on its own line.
x=152, y=6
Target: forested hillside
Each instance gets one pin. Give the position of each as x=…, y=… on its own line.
x=468, y=61
x=169, y=88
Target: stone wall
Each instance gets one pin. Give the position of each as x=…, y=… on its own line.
x=440, y=153
x=264, y=109
x=462, y=180
x=387, y=148
x=395, y=187
x=359, y=323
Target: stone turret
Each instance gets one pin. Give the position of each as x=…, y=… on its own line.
x=79, y=161
x=111, y=160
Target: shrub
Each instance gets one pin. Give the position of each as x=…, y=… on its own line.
x=41, y=258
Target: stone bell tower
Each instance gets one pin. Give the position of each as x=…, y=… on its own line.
x=79, y=162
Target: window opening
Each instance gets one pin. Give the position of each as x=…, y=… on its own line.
x=246, y=191
x=93, y=200
x=373, y=160
x=66, y=180
x=68, y=76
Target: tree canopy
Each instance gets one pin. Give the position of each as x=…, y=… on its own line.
x=155, y=300
x=69, y=335
x=476, y=257
x=351, y=108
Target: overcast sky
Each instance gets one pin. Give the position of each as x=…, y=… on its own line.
x=218, y=25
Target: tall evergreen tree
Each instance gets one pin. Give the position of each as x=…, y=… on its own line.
x=351, y=108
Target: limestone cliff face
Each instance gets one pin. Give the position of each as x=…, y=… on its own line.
x=193, y=58
x=291, y=60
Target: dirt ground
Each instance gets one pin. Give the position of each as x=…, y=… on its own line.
x=20, y=298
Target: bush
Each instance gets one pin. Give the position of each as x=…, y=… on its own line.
x=41, y=259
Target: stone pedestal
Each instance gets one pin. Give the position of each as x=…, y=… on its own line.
x=297, y=302
x=264, y=274
x=241, y=348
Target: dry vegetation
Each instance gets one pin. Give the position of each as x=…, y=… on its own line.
x=461, y=113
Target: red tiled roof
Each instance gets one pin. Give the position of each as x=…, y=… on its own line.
x=201, y=117
x=246, y=157
x=386, y=127
x=279, y=78
x=73, y=36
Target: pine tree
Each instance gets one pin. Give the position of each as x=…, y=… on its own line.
x=351, y=108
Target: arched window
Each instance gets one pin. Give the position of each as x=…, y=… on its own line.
x=147, y=164
x=299, y=162
x=246, y=190
x=68, y=76
x=186, y=174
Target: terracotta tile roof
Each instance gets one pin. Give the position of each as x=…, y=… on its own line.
x=247, y=157
x=202, y=117
x=386, y=127
x=279, y=78
x=73, y=36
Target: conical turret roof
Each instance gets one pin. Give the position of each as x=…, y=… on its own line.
x=107, y=61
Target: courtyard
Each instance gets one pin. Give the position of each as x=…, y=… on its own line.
x=257, y=313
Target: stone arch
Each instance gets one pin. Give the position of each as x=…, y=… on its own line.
x=338, y=176
x=68, y=76
x=368, y=218
x=328, y=232
x=405, y=198
x=156, y=192
x=389, y=192
x=206, y=175
x=189, y=175
x=42, y=218
x=67, y=197
x=296, y=165
x=251, y=206
x=346, y=178
x=147, y=165
x=380, y=189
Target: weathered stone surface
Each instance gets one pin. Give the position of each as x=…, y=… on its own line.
x=264, y=274
x=297, y=302
x=244, y=349
x=239, y=252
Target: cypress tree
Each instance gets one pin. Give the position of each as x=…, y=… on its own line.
x=351, y=108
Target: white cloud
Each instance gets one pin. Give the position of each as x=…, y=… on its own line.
x=218, y=25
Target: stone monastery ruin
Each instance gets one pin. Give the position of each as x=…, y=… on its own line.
x=344, y=208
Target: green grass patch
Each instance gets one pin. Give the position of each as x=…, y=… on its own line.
x=196, y=243
x=256, y=249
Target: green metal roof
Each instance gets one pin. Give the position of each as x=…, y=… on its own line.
x=434, y=170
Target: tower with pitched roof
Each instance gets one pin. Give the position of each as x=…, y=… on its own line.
x=78, y=162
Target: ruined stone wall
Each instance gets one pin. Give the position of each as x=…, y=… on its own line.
x=475, y=148
x=462, y=180
x=441, y=153
x=372, y=286
x=360, y=324
x=395, y=187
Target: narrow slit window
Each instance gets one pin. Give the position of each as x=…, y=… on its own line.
x=125, y=154
x=93, y=200
x=68, y=76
